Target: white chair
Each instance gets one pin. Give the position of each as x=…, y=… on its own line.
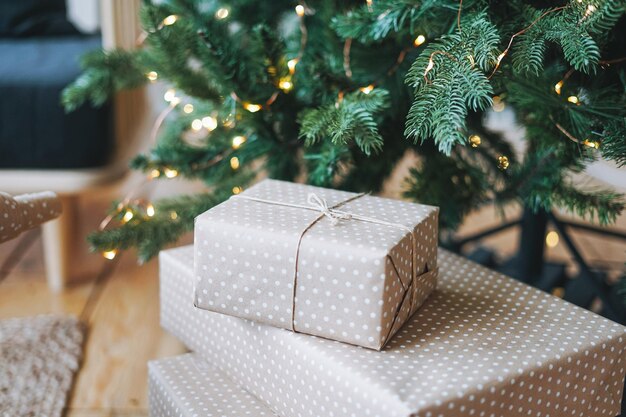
x=120, y=28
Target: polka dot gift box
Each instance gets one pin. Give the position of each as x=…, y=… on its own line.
x=345, y=266
x=187, y=386
x=483, y=345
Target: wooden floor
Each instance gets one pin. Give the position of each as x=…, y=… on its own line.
x=119, y=301
x=120, y=305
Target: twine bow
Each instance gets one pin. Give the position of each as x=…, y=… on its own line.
x=317, y=203
x=320, y=204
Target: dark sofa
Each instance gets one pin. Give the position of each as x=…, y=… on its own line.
x=39, y=55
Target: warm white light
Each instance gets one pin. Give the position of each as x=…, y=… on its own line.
x=368, y=89
x=419, y=40
x=188, y=108
x=150, y=210
x=155, y=173
x=209, y=122
x=196, y=124
x=234, y=162
x=109, y=254
x=573, y=99
x=237, y=190
x=152, y=76
x=552, y=239
x=300, y=10
x=170, y=173
x=128, y=216
x=591, y=144
x=170, y=20
x=558, y=86
x=222, y=13
x=238, y=141
x=252, y=108
x=285, y=84
x=291, y=64
x=173, y=215
x=169, y=95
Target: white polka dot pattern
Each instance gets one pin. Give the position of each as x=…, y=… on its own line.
x=481, y=345
x=26, y=211
x=354, y=281
x=187, y=386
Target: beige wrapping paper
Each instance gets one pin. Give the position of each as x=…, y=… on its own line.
x=26, y=211
x=187, y=386
x=329, y=263
x=483, y=344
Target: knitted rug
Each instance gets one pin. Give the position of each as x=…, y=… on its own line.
x=38, y=359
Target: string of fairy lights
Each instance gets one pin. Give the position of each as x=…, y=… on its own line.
x=129, y=208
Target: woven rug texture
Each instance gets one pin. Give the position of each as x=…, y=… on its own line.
x=38, y=359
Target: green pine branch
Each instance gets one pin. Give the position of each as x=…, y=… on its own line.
x=455, y=85
x=173, y=218
x=350, y=120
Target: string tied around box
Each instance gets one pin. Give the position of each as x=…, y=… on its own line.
x=319, y=204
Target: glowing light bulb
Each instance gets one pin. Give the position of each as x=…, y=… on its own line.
x=300, y=10
x=155, y=173
x=237, y=190
x=128, y=216
x=196, y=124
x=169, y=95
x=238, y=141
x=475, y=141
x=591, y=144
x=150, y=210
x=234, y=162
x=251, y=107
x=188, y=108
x=209, y=122
x=170, y=20
x=170, y=173
x=173, y=215
x=152, y=76
x=285, y=84
x=109, y=254
x=503, y=162
x=291, y=64
x=222, y=13
x=552, y=239
x=368, y=89
x=573, y=100
x=558, y=86
x=419, y=40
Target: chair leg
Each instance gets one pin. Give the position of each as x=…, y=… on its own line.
x=58, y=238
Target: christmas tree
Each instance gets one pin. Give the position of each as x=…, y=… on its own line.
x=337, y=92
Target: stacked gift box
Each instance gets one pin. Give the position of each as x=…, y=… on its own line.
x=300, y=301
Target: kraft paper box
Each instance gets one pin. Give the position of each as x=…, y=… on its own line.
x=482, y=345
x=330, y=263
x=187, y=386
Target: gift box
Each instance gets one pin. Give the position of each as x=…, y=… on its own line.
x=482, y=344
x=187, y=386
x=348, y=267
